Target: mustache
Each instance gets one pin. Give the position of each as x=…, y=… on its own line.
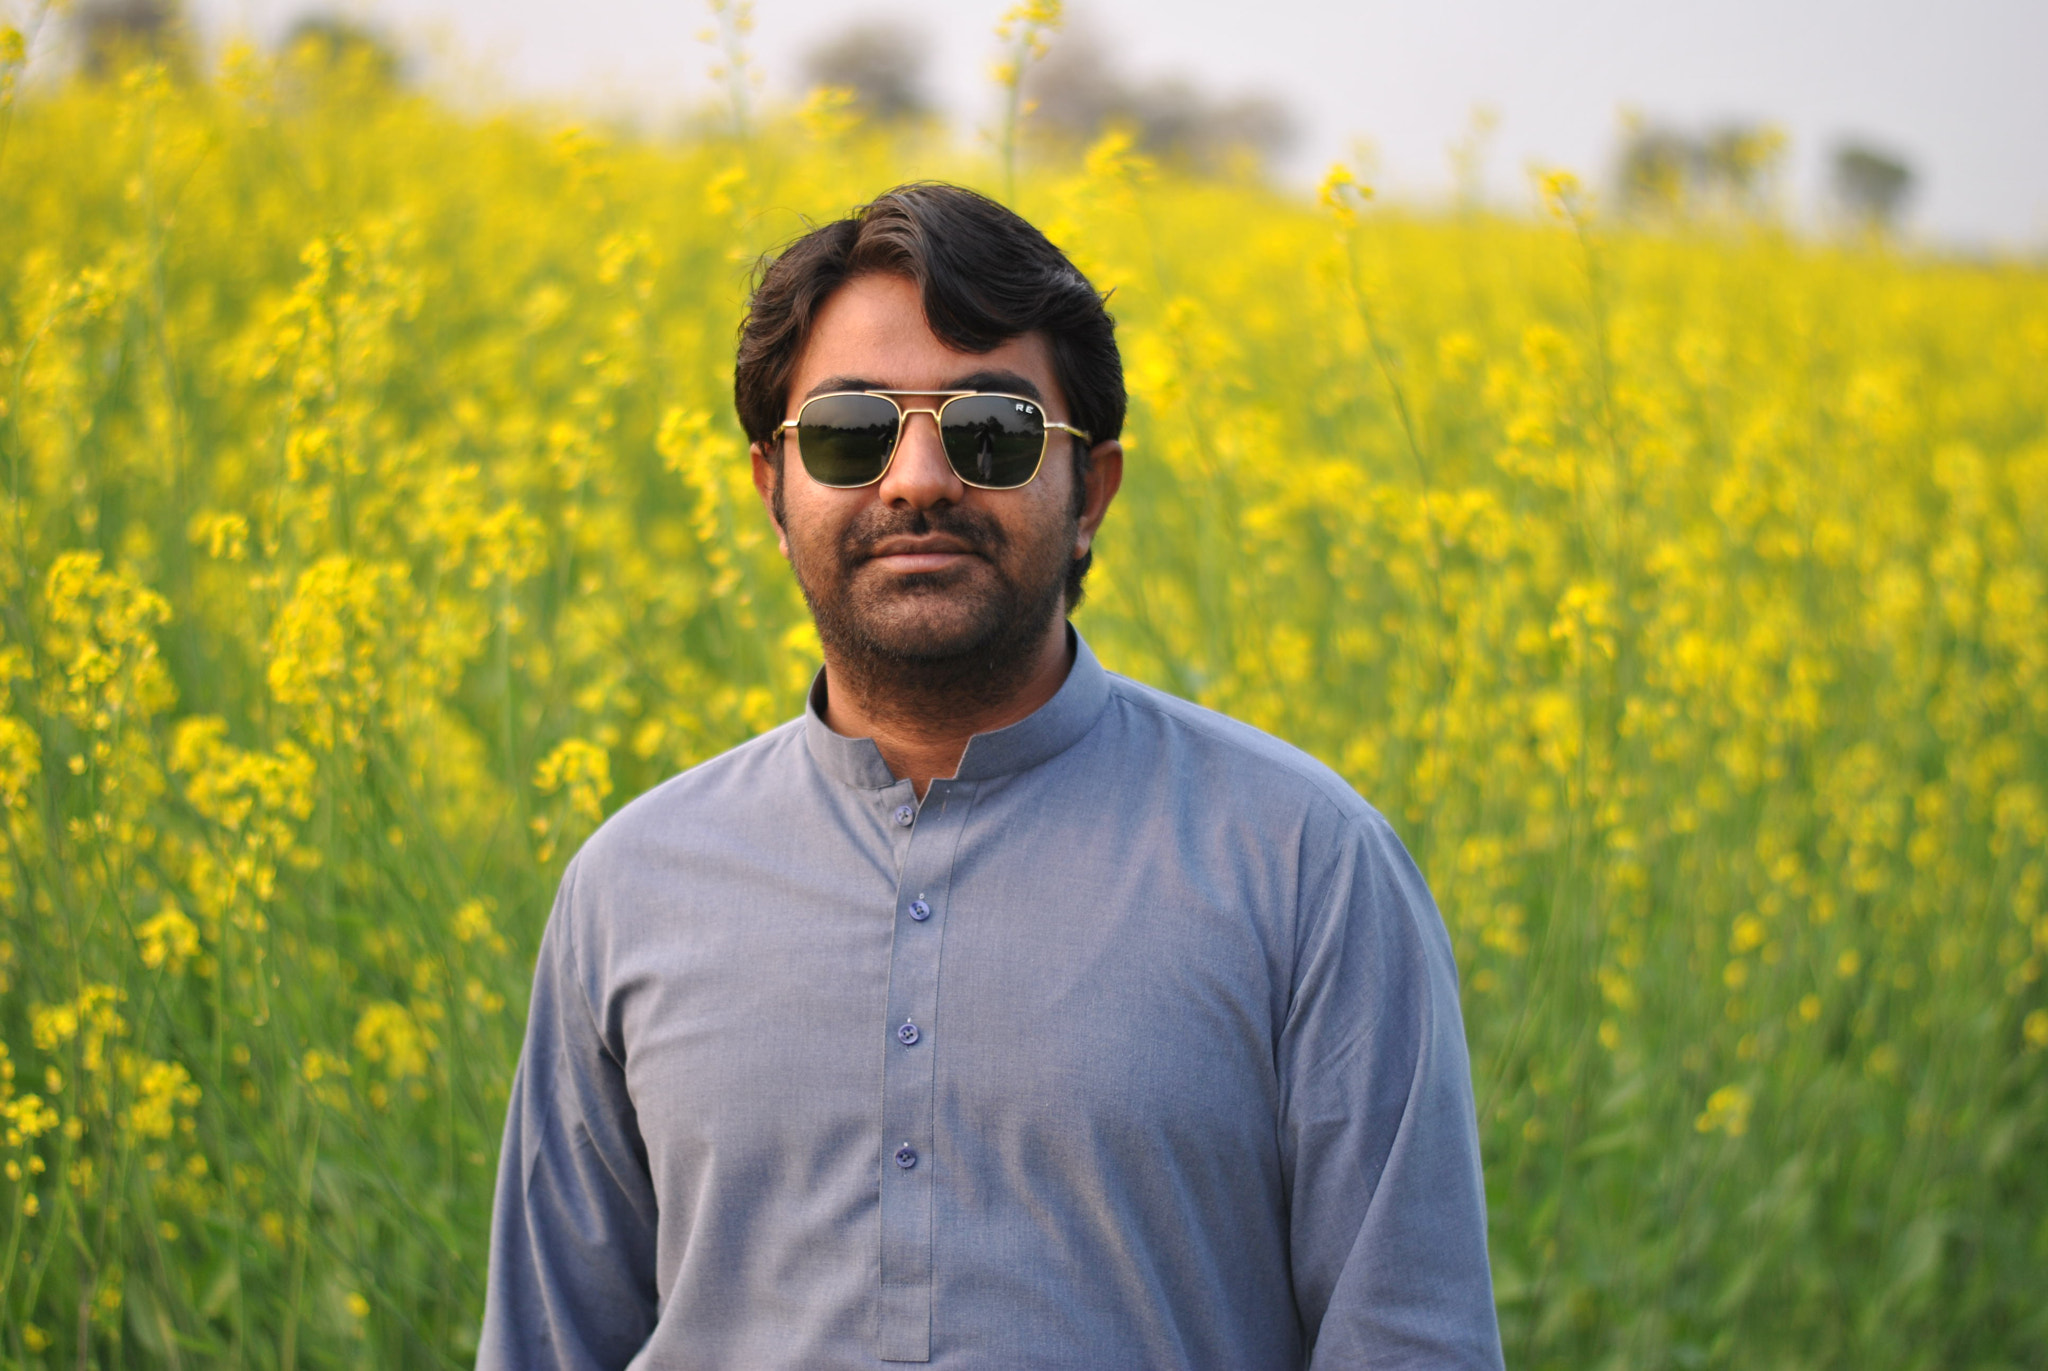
x=973, y=529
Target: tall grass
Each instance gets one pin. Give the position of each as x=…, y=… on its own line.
x=375, y=519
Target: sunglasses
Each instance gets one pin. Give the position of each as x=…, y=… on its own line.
x=995, y=442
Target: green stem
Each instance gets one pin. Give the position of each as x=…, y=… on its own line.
x=288, y=1341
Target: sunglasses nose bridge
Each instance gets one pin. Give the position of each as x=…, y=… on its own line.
x=903, y=425
x=919, y=469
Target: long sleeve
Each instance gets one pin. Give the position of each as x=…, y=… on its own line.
x=1381, y=1150
x=573, y=1227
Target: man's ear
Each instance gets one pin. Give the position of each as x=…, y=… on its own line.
x=1105, y=475
x=767, y=483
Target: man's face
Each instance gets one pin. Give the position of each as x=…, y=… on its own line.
x=920, y=566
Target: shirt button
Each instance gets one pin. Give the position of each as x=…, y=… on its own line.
x=920, y=911
x=905, y=816
x=906, y=1156
x=907, y=1034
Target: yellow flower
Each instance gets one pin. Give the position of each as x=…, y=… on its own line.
x=91, y=1018
x=583, y=770
x=473, y=924
x=21, y=757
x=1031, y=22
x=101, y=638
x=828, y=112
x=2036, y=1029
x=225, y=536
x=1727, y=1111
x=162, y=1089
x=1113, y=159
x=27, y=1118
x=168, y=940
x=332, y=650
x=1562, y=193
x=317, y=1065
x=389, y=1034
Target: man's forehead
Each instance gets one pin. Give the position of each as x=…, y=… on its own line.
x=872, y=331
x=983, y=379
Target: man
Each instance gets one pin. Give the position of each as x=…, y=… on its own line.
x=998, y=1012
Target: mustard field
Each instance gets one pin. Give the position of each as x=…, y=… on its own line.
x=375, y=520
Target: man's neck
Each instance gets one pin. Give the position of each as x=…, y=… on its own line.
x=922, y=738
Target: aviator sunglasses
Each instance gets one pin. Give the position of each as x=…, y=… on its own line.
x=995, y=442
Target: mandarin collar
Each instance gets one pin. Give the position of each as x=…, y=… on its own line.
x=1038, y=737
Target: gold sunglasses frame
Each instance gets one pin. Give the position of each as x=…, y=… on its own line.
x=903, y=413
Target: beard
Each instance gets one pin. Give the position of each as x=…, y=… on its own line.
x=933, y=646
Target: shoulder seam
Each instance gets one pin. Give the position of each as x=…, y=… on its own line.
x=1323, y=780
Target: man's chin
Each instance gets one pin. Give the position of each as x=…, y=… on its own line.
x=927, y=632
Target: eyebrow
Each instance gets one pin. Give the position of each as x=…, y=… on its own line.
x=1008, y=382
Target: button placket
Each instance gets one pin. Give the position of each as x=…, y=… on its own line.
x=910, y=1157
x=898, y=805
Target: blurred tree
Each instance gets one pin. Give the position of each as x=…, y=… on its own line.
x=1738, y=165
x=112, y=33
x=335, y=41
x=1656, y=168
x=1076, y=92
x=1871, y=186
x=1074, y=88
x=1729, y=169
x=881, y=61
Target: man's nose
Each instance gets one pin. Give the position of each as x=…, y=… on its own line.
x=920, y=477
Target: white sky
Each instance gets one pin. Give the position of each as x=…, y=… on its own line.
x=1960, y=88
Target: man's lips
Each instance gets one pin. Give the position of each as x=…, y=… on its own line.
x=907, y=555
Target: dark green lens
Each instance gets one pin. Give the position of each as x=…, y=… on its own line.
x=993, y=440
x=845, y=440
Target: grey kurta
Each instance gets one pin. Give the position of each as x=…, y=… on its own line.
x=1135, y=1045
